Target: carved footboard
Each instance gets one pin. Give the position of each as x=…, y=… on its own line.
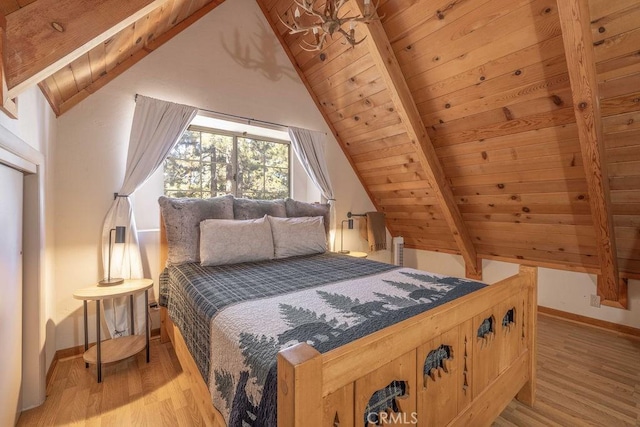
x=458, y=364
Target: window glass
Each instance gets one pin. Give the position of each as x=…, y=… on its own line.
x=263, y=169
x=208, y=163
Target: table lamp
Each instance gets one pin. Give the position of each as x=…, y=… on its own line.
x=120, y=238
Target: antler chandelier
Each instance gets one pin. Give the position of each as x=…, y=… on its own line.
x=329, y=22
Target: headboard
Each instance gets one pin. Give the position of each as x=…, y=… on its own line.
x=164, y=244
x=246, y=209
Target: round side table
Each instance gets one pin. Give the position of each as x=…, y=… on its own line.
x=117, y=348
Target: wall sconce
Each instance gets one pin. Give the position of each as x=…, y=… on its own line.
x=350, y=226
x=120, y=238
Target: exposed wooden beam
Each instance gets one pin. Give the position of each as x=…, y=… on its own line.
x=7, y=105
x=387, y=63
x=470, y=273
x=578, y=46
x=53, y=102
x=623, y=298
x=149, y=47
x=44, y=36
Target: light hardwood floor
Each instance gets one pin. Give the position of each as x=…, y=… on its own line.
x=586, y=376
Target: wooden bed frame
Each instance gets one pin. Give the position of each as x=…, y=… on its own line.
x=472, y=387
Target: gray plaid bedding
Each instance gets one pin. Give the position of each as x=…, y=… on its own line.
x=236, y=318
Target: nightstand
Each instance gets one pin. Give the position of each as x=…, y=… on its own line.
x=357, y=254
x=117, y=348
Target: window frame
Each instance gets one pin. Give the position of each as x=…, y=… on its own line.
x=234, y=154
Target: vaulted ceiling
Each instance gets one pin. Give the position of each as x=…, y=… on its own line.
x=501, y=129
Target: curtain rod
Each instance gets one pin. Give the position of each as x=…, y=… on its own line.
x=249, y=120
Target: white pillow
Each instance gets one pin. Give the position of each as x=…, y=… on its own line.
x=228, y=241
x=298, y=236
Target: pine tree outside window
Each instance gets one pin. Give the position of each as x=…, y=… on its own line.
x=208, y=163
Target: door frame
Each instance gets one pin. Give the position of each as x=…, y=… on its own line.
x=16, y=153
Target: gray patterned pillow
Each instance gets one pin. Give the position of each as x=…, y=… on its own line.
x=251, y=209
x=235, y=241
x=182, y=219
x=295, y=209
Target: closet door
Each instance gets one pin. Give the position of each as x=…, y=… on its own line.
x=11, y=190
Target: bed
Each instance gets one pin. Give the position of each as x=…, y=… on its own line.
x=349, y=342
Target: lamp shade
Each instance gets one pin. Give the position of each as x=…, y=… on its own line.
x=120, y=234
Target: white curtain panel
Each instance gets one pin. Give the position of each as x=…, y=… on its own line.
x=309, y=147
x=157, y=126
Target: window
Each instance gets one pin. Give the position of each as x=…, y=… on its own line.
x=208, y=163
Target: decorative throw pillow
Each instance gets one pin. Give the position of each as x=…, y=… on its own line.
x=296, y=209
x=182, y=217
x=225, y=241
x=298, y=236
x=250, y=209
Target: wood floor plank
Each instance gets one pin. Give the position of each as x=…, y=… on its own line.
x=586, y=376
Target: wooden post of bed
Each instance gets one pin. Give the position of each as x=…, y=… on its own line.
x=527, y=394
x=164, y=255
x=299, y=386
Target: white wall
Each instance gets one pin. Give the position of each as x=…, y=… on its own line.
x=562, y=290
x=229, y=61
x=36, y=126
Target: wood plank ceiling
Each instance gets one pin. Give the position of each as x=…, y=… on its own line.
x=44, y=31
x=459, y=118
